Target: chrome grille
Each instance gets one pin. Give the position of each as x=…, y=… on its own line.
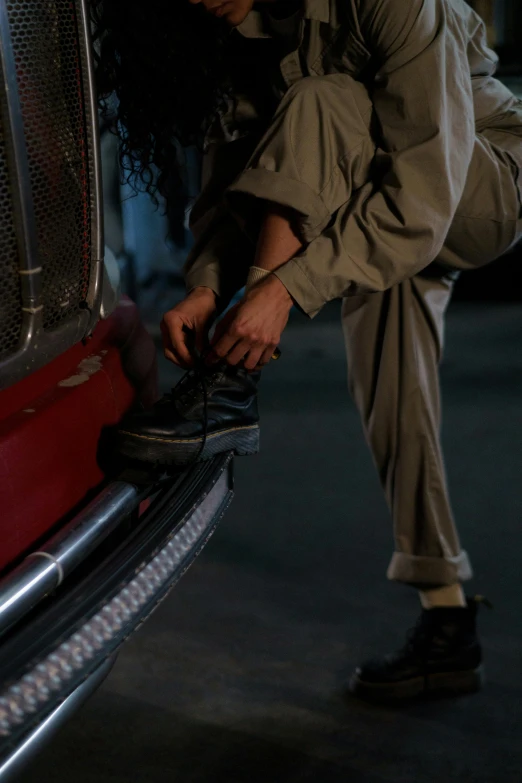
x=46, y=49
x=10, y=296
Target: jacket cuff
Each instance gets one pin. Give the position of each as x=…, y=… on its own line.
x=301, y=289
x=206, y=277
x=265, y=185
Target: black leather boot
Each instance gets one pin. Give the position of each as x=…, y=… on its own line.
x=442, y=656
x=210, y=411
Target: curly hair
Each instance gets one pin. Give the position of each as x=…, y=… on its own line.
x=167, y=64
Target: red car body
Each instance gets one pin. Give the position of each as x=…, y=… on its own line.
x=52, y=420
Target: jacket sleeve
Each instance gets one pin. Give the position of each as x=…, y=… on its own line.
x=219, y=258
x=422, y=96
x=222, y=254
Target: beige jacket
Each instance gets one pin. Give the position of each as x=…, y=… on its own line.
x=429, y=73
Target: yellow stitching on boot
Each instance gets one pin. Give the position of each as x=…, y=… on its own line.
x=188, y=440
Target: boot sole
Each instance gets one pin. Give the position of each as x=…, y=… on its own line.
x=443, y=684
x=242, y=441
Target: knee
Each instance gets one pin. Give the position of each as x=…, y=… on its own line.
x=325, y=94
x=320, y=85
x=305, y=90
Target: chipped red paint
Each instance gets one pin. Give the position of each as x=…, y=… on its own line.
x=50, y=426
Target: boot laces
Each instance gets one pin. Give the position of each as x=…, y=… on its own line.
x=419, y=637
x=422, y=635
x=193, y=384
x=196, y=383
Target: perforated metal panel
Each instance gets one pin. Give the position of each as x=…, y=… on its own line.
x=10, y=297
x=46, y=48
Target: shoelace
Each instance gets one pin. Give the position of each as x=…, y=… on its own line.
x=197, y=376
x=421, y=636
x=418, y=638
x=423, y=631
x=418, y=641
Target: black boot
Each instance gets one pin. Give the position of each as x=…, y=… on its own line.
x=442, y=656
x=210, y=411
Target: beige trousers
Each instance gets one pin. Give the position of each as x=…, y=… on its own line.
x=394, y=344
x=394, y=338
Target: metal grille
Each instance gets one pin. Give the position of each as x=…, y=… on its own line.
x=46, y=48
x=10, y=295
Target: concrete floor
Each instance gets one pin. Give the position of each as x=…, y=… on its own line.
x=238, y=677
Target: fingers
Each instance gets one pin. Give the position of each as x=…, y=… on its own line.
x=240, y=338
x=256, y=357
x=231, y=341
x=253, y=358
x=201, y=340
x=267, y=355
x=238, y=353
x=223, y=345
x=253, y=355
x=172, y=358
x=174, y=343
x=192, y=315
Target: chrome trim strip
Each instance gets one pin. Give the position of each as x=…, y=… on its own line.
x=95, y=288
x=43, y=571
x=32, y=744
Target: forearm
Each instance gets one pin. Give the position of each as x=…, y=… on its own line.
x=219, y=261
x=252, y=329
x=221, y=254
x=278, y=241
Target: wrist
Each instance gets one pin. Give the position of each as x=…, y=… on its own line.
x=277, y=290
x=203, y=292
x=255, y=275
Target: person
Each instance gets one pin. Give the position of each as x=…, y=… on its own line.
x=353, y=149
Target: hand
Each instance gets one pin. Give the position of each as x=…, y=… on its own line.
x=251, y=330
x=196, y=314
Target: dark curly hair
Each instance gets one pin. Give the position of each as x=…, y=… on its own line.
x=168, y=67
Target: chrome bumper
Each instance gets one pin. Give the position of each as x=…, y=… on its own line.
x=43, y=571
x=14, y=763
x=46, y=657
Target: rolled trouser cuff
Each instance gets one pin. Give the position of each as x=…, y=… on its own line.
x=247, y=196
x=415, y=570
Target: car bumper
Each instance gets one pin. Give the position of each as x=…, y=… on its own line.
x=60, y=646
